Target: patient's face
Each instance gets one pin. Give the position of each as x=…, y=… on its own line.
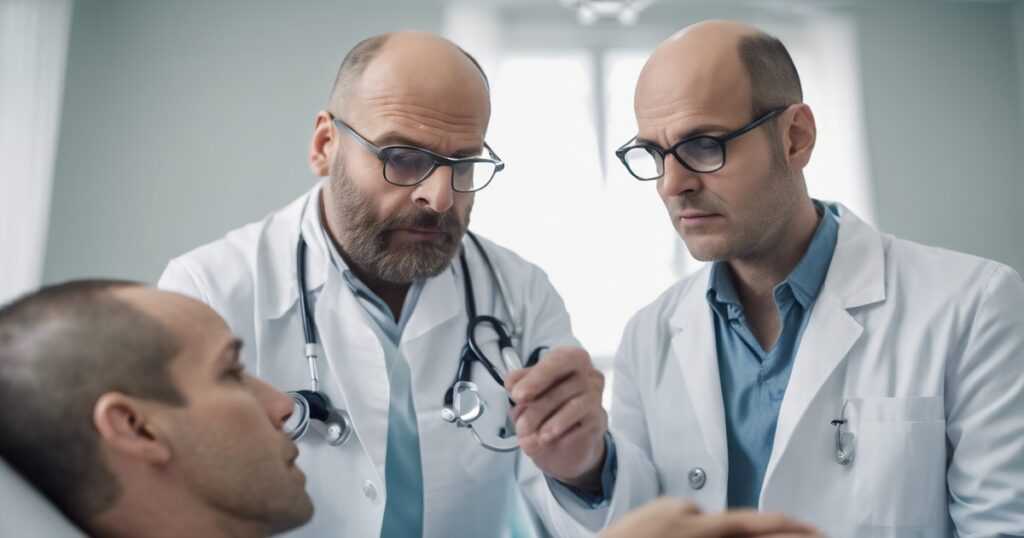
x=228, y=447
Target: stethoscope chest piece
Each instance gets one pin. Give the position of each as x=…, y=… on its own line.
x=467, y=405
x=309, y=407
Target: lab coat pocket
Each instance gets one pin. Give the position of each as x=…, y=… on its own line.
x=900, y=466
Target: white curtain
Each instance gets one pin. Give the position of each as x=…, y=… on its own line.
x=33, y=51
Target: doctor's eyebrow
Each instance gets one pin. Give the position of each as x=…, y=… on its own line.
x=702, y=129
x=391, y=138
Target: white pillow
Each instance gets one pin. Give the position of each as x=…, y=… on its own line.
x=26, y=512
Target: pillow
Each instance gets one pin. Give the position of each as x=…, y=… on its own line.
x=26, y=512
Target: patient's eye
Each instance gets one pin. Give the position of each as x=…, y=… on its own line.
x=236, y=373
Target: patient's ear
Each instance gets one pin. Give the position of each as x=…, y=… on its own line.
x=125, y=426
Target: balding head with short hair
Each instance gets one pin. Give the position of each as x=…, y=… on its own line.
x=61, y=348
x=774, y=81
x=732, y=82
x=364, y=52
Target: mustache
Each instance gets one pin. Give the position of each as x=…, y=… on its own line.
x=446, y=222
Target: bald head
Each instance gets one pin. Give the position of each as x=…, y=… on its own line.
x=421, y=57
x=724, y=62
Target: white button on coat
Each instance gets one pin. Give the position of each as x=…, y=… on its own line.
x=697, y=478
x=369, y=490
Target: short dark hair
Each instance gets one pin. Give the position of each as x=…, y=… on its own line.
x=774, y=81
x=360, y=56
x=61, y=348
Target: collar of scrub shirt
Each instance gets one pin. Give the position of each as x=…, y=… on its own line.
x=803, y=283
x=372, y=303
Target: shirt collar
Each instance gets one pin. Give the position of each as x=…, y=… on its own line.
x=358, y=287
x=805, y=281
x=808, y=276
x=722, y=293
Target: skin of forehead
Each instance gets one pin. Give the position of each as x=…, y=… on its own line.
x=422, y=81
x=695, y=73
x=190, y=321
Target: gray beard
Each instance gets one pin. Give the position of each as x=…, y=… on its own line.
x=364, y=238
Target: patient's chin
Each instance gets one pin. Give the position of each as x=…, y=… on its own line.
x=297, y=514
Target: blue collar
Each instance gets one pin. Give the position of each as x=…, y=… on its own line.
x=804, y=282
x=383, y=314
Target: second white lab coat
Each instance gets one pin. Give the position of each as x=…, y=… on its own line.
x=249, y=278
x=923, y=346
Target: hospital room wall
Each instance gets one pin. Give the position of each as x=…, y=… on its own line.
x=183, y=120
x=1018, y=33
x=944, y=111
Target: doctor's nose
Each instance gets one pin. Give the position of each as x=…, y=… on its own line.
x=436, y=191
x=677, y=179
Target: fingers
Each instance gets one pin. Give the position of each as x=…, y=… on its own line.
x=747, y=522
x=556, y=366
x=670, y=505
x=512, y=378
x=584, y=408
x=528, y=417
x=584, y=446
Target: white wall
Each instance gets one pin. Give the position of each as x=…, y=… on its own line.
x=1018, y=33
x=943, y=117
x=185, y=119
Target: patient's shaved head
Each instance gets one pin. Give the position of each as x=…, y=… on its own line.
x=366, y=51
x=61, y=348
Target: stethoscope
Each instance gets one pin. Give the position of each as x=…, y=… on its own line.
x=463, y=404
x=845, y=442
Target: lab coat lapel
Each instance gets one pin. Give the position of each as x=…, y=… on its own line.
x=440, y=301
x=356, y=365
x=856, y=277
x=694, y=347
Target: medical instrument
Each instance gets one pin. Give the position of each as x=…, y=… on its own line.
x=313, y=405
x=844, y=444
x=463, y=404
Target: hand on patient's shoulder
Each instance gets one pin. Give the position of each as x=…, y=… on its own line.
x=669, y=517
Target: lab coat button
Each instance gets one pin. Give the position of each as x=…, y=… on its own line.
x=697, y=478
x=369, y=490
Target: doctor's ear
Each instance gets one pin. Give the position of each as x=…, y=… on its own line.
x=125, y=426
x=799, y=135
x=323, y=145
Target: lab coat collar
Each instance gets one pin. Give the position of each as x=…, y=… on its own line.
x=277, y=255
x=856, y=277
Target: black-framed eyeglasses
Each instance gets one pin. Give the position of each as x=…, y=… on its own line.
x=701, y=153
x=407, y=166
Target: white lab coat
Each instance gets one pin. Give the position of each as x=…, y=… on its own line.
x=249, y=278
x=924, y=346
